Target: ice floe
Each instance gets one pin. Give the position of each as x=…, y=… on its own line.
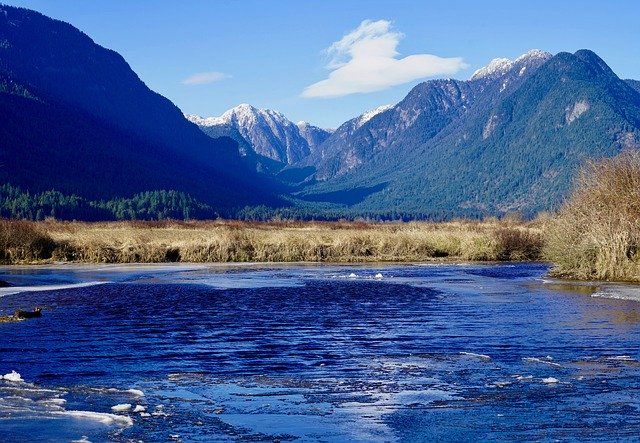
x=136, y=392
x=13, y=376
x=123, y=407
x=102, y=417
x=19, y=289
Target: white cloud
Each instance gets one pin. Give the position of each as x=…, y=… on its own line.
x=202, y=78
x=365, y=60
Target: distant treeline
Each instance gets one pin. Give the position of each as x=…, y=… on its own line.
x=16, y=203
x=153, y=205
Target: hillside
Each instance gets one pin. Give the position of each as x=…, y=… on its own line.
x=77, y=119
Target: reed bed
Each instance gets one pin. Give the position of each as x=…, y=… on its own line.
x=596, y=234
x=234, y=241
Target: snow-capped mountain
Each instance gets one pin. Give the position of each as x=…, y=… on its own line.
x=264, y=131
x=422, y=114
x=508, y=139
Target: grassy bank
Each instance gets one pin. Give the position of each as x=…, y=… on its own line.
x=231, y=241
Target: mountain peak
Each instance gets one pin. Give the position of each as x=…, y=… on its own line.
x=501, y=66
x=534, y=54
x=268, y=133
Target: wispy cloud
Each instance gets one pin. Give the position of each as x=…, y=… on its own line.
x=366, y=60
x=202, y=78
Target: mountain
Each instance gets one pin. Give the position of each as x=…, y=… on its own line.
x=77, y=119
x=508, y=139
x=422, y=114
x=267, y=133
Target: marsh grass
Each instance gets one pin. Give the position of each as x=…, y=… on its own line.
x=596, y=234
x=234, y=241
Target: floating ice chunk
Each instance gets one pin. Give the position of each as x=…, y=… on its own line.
x=83, y=439
x=550, y=380
x=136, y=392
x=13, y=376
x=139, y=408
x=379, y=276
x=145, y=414
x=352, y=275
x=121, y=407
x=102, y=417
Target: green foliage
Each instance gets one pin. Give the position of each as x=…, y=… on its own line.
x=154, y=205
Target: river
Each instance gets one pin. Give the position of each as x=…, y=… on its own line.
x=422, y=352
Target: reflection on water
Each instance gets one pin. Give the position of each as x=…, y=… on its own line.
x=324, y=353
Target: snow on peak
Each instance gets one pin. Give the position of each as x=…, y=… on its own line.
x=372, y=113
x=534, y=54
x=495, y=68
x=500, y=66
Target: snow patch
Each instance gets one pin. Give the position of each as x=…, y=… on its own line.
x=372, y=113
x=495, y=68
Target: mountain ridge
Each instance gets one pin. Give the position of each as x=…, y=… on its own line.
x=266, y=132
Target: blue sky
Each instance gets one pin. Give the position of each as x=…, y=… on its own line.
x=328, y=61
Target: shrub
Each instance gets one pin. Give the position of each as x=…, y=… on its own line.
x=23, y=240
x=518, y=244
x=596, y=234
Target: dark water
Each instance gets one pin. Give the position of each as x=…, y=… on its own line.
x=319, y=353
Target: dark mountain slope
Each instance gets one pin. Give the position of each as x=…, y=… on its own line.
x=95, y=128
x=635, y=84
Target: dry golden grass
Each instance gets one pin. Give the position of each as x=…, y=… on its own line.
x=233, y=241
x=596, y=235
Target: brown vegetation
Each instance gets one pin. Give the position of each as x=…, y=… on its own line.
x=233, y=241
x=596, y=235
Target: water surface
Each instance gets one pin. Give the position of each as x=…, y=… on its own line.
x=319, y=353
